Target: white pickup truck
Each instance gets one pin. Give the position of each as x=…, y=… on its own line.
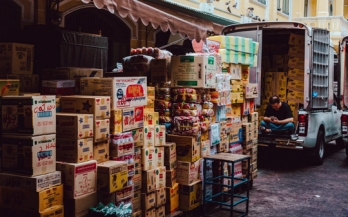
x=318, y=117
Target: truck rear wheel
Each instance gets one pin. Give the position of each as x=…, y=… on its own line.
x=319, y=149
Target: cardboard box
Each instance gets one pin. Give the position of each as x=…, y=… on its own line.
x=160, y=196
x=236, y=71
x=27, y=83
x=149, y=136
x=112, y=176
x=74, y=150
x=160, y=135
x=236, y=85
x=101, y=130
x=99, y=106
x=80, y=179
x=160, y=177
x=31, y=115
x=148, y=158
x=74, y=126
x=187, y=172
x=193, y=71
x=297, y=85
x=137, y=157
x=106, y=198
x=248, y=127
x=159, y=151
x=205, y=148
x=132, y=118
x=161, y=211
x=236, y=134
x=160, y=72
x=148, y=201
x=53, y=211
x=136, y=180
x=138, y=137
x=170, y=161
x=124, y=92
x=136, y=201
x=150, y=213
x=188, y=148
x=121, y=145
x=237, y=97
x=295, y=96
x=27, y=155
x=16, y=58
x=248, y=107
x=58, y=87
x=36, y=183
x=31, y=200
x=80, y=206
x=296, y=51
x=172, y=199
x=151, y=118
x=190, y=195
x=215, y=134
x=137, y=214
x=149, y=180
x=125, y=193
x=116, y=121
x=9, y=87
x=250, y=91
x=101, y=151
x=171, y=178
x=223, y=145
x=296, y=39
x=296, y=62
x=68, y=73
x=252, y=117
x=296, y=74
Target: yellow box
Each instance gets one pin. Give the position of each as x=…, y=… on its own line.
x=31, y=200
x=296, y=62
x=116, y=121
x=99, y=106
x=150, y=92
x=173, y=199
x=151, y=118
x=112, y=176
x=236, y=85
x=296, y=39
x=150, y=106
x=190, y=195
x=296, y=74
x=188, y=148
x=295, y=96
x=237, y=97
x=236, y=110
x=296, y=51
x=297, y=85
x=245, y=73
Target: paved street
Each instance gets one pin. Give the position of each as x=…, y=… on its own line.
x=289, y=186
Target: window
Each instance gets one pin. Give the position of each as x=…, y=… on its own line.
x=285, y=7
x=262, y=1
x=278, y=5
x=306, y=8
x=330, y=8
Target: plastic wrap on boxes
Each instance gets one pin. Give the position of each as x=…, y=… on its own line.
x=186, y=125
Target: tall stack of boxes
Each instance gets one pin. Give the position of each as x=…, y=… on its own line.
x=29, y=157
x=284, y=75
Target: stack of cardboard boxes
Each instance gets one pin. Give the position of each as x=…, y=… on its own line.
x=29, y=157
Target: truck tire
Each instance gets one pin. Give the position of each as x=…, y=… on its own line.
x=319, y=149
x=340, y=143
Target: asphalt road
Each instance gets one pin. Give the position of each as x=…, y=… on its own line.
x=288, y=185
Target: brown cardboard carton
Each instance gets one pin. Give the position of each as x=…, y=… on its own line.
x=74, y=126
x=148, y=200
x=112, y=176
x=170, y=155
x=29, y=155
x=125, y=193
x=106, y=198
x=9, y=87
x=80, y=179
x=160, y=197
x=138, y=136
x=187, y=172
x=149, y=213
x=160, y=72
x=30, y=115
x=170, y=178
x=161, y=211
x=188, y=148
x=190, y=195
x=74, y=150
x=137, y=214
x=99, y=106
x=101, y=151
x=31, y=200
x=149, y=180
x=16, y=58
x=101, y=130
x=79, y=207
x=53, y=211
x=136, y=201
x=137, y=180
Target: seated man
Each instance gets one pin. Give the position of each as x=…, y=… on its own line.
x=278, y=117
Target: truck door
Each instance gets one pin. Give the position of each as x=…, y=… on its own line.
x=322, y=72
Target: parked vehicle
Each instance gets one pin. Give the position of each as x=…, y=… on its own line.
x=343, y=88
x=308, y=55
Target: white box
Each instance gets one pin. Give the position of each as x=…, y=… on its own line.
x=250, y=91
x=79, y=179
x=193, y=71
x=36, y=183
x=132, y=118
x=29, y=155
x=159, y=152
x=160, y=177
x=187, y=172
x=160, y=135
x=149, y=136
x=74, y=126
x=31, y=115
x=205, y=148
x=125, y=92
x=148, y=158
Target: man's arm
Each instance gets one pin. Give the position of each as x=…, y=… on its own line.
x=283, y=121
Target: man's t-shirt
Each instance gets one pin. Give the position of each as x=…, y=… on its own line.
x=284, y=112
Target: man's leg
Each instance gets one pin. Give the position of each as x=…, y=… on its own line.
x=284, y=127
x=268, y=125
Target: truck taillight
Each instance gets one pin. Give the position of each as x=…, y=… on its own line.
x=302, y=125
x=344, y=124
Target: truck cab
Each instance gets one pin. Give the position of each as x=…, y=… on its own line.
x=296, y=63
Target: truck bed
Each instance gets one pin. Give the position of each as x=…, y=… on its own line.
x=279, y=140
